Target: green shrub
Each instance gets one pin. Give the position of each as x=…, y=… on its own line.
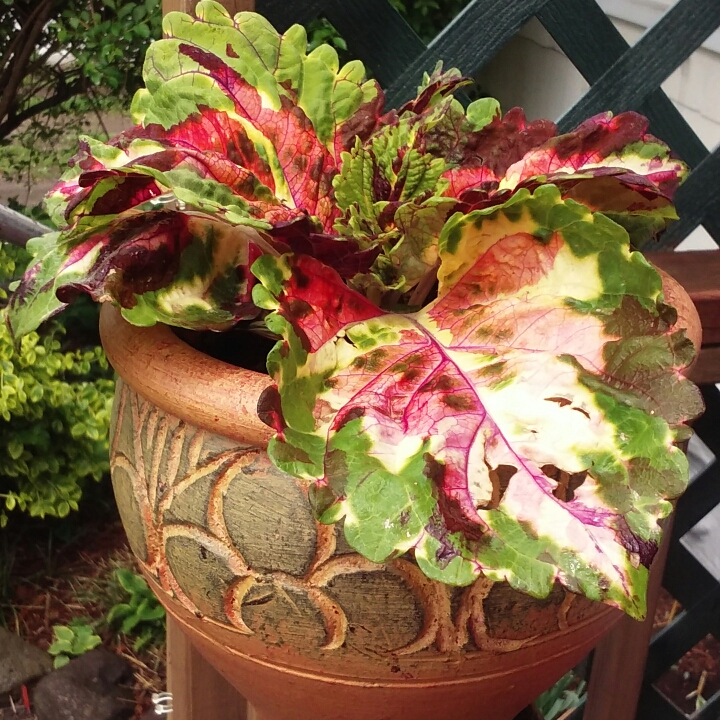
x=55, y=405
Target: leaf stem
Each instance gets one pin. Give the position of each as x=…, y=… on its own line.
x=423, y=288
x=374, y=295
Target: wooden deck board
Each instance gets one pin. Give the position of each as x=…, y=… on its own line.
x=698, y=272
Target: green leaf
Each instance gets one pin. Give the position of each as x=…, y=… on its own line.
x=15, y=448
x=131, y=582
x=385, y=512
x=63, y=633
x=151, y=612
x=118, y=612
x=482, y=112
x=60, y=661
x=36, y=300
x=129, y=623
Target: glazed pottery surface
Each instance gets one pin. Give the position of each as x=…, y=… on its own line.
x=302, y=625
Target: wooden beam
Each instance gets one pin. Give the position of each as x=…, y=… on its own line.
x=706, y=370
x=619, y=661
x=17, y=229
x=199, y=691
x=699, y=273
x=593, y=45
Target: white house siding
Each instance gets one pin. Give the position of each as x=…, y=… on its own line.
x=533, y=72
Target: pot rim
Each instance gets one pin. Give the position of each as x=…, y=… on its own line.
x=208, y=393
x=203, y=391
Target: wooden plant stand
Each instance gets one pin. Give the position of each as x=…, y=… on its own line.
x=201, y=693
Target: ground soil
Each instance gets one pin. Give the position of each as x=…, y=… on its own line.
x=696, y=676
x=49, y=580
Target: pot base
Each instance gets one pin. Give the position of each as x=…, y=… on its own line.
x=498, y=689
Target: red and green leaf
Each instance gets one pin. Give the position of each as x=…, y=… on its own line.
x=157, y=266
x=604, y=141
x=287, y=114
x=486, y=154
x=512, y=427
x=237, y=125
x=609, y=163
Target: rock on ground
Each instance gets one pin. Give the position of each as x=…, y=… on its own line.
x=95, y=686
x=20, y=663
x=20, y=713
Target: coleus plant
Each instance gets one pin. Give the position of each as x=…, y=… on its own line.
x=474, y=364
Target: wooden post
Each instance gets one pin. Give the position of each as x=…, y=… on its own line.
x=18, y=229
x=619, y=663
x=199, y=691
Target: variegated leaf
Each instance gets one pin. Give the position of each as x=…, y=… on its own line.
x=603, y=141
x=160, y=266
x=511, y=427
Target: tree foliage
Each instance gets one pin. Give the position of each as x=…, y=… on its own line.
x=428, y=17
x=60, y=62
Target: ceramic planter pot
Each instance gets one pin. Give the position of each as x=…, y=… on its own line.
x=304, y=627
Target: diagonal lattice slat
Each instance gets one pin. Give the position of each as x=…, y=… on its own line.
x=698, y=201
x=388, y=41
x=621, y=77
x=594, y=45
x=277, y=12
x=468, y=42
x=660, y=51
x=387, y=44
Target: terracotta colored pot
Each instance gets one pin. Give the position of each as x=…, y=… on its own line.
x=303, y=626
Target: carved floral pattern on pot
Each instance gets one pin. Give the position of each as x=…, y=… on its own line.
x=233, y=540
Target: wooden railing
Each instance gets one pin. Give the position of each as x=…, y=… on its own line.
x=16, y=228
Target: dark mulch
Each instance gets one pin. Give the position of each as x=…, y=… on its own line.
x=16, y=713
x=696, y=676
x=52, y=572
